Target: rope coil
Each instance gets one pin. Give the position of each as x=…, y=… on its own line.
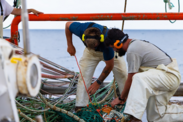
x=171, y=6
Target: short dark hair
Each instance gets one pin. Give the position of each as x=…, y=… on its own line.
x=113, y=35
x=90, y=42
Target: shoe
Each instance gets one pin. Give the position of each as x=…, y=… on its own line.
x=133, y=119
x=77, y=109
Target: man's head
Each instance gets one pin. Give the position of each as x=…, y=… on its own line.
x=115, y=39
x=92, y=37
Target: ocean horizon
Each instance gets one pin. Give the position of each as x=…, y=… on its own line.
x=52, y=45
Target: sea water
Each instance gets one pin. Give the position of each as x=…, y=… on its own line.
x=52, y=45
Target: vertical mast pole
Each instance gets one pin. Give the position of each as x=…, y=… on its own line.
x=25, y=25
x=1, y=26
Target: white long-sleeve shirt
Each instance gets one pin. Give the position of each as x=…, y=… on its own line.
x=7, y=9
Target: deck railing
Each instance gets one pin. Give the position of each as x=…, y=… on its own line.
x=92, y=17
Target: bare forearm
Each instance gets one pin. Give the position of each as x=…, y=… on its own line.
x=29, y=10
x=127, y=86
x=107, y=69
x=104, y=74
x=16, y=11
x=68, y=34
x=69, y=37
x=126, y=89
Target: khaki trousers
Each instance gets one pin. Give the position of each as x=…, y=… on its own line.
x=151, y=90
x=88, y=63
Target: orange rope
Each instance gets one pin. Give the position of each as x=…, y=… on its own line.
x=88, y=93
x=82, y=78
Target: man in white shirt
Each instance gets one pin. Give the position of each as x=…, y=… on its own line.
x=153, y=78
x=6, y=9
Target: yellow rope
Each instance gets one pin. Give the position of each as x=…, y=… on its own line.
x=114, y=86
x=103, y=100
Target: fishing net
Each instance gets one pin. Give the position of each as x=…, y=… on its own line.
x=92, y=113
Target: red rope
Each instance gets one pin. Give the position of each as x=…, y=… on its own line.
x=87, y=90
x=83, y=79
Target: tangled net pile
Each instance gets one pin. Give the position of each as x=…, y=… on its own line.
x=54, y=108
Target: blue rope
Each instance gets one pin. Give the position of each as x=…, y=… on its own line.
x=171, y=6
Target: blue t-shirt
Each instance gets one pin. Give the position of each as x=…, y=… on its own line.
x=79, y=28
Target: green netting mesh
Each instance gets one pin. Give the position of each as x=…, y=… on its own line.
x=89, y=114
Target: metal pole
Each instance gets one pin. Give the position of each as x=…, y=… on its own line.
x=1, y=26
x=93, y=17
x=25, y=26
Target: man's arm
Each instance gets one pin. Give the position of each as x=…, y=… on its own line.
x=18, y=11
x=107, y=69
x=70, y=47
x=127, y=86
x=125, y=91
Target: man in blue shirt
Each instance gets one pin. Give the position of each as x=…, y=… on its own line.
x=93, y=36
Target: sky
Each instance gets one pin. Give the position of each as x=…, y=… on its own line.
x=102, y=6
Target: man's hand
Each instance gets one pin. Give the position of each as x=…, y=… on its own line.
x=116, y=101
x=93, y=88
x=18, y=11
x=71, y=50
x=70, y=47
x=34, y=11
x=125, y=91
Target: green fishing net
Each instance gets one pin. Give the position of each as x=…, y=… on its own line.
x=92, y=113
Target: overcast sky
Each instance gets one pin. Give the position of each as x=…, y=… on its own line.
x=102, y=6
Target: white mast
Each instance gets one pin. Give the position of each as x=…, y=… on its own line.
x=25, y=26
